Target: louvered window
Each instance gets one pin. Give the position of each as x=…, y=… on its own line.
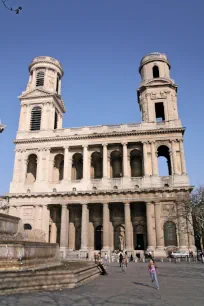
x=35, y=119
x=40, y=79
x=56, y=121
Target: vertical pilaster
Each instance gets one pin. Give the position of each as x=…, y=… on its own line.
x=182, y=225
x=105, y=160
x=53, y=238
x=125, y=160
x=84, y=226
x=154, y=159
x=173, y=150
x=151, y=237
x=106, y=219
x=39, y=166
x=64, y=227
x=128, y=234
x=183, y=161
x=38, y=217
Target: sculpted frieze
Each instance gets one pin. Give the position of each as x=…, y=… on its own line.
x=159, y=95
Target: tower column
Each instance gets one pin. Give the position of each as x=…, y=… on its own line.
x=64, y=229
x=128, y=234
x=85, y=162
x=174, y=169
x=125, y=160
x=154, y=159
x=105, y=160
x=151, y=235
x=106, y=218
x=183, y=161
x=66, y=163
x=159, y=232
x=46, y=221
x=145, y=159
x=84, y=226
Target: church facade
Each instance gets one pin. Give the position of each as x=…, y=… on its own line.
x=99, y=187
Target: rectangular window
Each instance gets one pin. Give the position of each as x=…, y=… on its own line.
x=159, y=111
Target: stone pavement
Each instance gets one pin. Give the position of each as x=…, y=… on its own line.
x=180, y=284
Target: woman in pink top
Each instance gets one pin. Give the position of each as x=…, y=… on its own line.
x=152, y=270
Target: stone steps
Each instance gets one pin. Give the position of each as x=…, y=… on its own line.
x=47, y=279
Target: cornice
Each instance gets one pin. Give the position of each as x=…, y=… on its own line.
x=100, y=192
x=100, y=135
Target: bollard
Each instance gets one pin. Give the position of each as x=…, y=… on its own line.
x=169, y=259
x=162, y=260
x=136, y=260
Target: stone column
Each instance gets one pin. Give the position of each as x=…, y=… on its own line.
x=182, y=226
x=17, y=166
x=84, y=226
x=145, y=159
x=38, y=217
x=46, y=221
x=150, y=226
x=128, y=234
x=39, y=166
x=173, y=149
x=125, y=160
x=66, y=163
x=106, y=219
x=64, y=228
x=159, y=232
x=53, y=234
x=183, y=161
x=105, y=160
x=85, y=162
x=154, y=159
x=24, y=170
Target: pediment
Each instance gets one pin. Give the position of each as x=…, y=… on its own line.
x=36, y=93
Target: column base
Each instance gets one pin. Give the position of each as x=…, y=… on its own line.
x=160, y=252
x=63, y=252
x=83, y=253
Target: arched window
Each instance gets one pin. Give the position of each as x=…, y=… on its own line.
x=58, y=170
x=31, y=169
x=56, y=121
x=155, y=71
x=170, y=237
x=40, y=78
x=136, y=163
x=96, y=165
x=35, y=121
x=27, y=226
x=164, y=161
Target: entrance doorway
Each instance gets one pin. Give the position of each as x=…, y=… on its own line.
x=98, y=237
x=139, y=242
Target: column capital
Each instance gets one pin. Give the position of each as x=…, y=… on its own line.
x=85, y=146
x=105, y=144
x=84, y=203
x=150, y=203
x=64, y=205
x=124, y=143
x=66, y=147
x=126, y=203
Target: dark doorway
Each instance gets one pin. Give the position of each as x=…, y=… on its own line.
x=140, y=242
x=98, y=237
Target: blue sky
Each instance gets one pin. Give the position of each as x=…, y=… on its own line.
x=100, y=45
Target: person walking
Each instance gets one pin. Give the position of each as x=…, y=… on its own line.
x=153, y=272
x=105, y=260
x=124, y=262
x=120, y=258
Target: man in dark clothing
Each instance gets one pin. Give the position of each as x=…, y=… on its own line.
x=120, y=258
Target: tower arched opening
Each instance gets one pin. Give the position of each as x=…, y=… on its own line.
x=96, y=165
x=155, y=71
x=31, y=169
x=136, y=163
x=35, y=121
x=116, y=164
x=77, y=166
x=164, y=161
x=40, y=77
x=58, y=170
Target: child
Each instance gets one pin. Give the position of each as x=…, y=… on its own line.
x=152, y=269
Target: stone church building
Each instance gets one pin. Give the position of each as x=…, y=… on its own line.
x=99, y=187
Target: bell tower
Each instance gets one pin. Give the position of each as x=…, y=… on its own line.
x=157, y=94
x=42, y=106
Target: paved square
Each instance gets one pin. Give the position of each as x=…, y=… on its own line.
x=180, y=284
